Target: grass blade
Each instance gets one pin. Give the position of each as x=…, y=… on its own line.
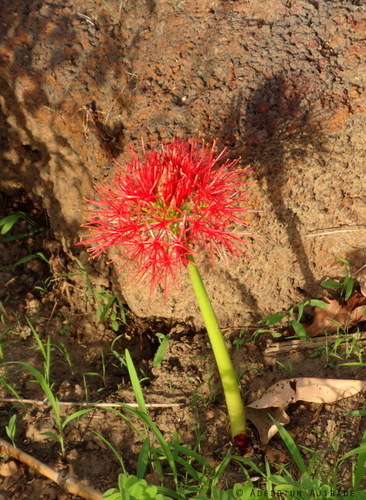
x=112, y=449
x=360, y=465
x=53, y=436
x=40, y=379
x=77, y=414
x=354, y=413
x=171, y=494
x=193, y=454
x=242, y=461
x=355, y=451
x=269, y=485
x=143, y=459
x=158, y=435
x=136, y=386
x=105, y=308
x=291, y=446
x=160, y=353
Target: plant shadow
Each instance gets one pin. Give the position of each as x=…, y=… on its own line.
x=267, y=129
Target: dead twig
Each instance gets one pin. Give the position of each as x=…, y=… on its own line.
x=68, y=483
x=275, y=348
x=341, y=229
x=37, y=402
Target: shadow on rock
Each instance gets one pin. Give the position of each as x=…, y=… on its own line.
x=268, y=129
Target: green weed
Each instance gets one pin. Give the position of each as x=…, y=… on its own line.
x=110, y=309
x=11, y=428
x=45, y=350
x=59, y=422
x=345, y=286
x=27, y=258
x=46, y=285
x=5, y=343
x=163, y=346
x=195, y=478
x=133, y=488
x=293, y=317
x=287, y=367
x=328, y=351
x=9, y=222
x=313, y=477
x=343, y=347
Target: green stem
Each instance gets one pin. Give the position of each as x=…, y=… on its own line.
x=225, y=366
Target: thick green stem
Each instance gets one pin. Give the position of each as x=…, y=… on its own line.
x=225, y=366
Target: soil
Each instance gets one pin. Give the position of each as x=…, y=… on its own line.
x=281, y=84
x=53, y=299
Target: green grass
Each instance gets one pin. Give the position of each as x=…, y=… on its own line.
x=60, y=423
x=10, y=222
x=293, y=317
x=346, y=285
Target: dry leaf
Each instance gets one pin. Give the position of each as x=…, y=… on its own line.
x=8, y=469
x=311, y=389
x=263, y=423
x=335, y=315
x=362, y=281
x=282, y=393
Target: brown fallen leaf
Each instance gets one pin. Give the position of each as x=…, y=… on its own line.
x=311, y=389
x=336, y=315
x=261, y=418
x=279, y=395
x=8, y=469
x=362, y=281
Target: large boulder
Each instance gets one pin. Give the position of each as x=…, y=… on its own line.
x=280, y=83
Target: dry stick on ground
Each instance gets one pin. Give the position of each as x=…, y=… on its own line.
x=340, y=229
x=275, y=348
x=88, y=405
x=68, y=483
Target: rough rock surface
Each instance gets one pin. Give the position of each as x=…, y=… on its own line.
x=280, y=82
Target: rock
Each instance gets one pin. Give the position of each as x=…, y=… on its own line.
x=281, y=84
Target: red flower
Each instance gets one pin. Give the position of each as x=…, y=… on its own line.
x=161, y=209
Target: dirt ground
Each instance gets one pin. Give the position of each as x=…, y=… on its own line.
x=186, y=382
x=281, y=83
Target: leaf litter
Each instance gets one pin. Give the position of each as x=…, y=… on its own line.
x=278, y=396
x=337, y=315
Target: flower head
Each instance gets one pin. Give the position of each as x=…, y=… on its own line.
x=165, y=207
